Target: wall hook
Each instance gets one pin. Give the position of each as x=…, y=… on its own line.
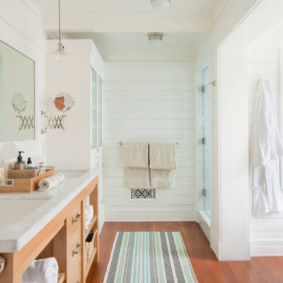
x=213, y=83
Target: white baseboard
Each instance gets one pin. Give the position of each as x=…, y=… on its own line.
x=148, y=215
x=204, y=223
x=267, y=248
x=214, y=244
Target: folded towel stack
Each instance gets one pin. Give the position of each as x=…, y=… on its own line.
x=149, y=166
x=162, y=164
x=88, y=215
x=51, y=182
x=135, y=162
x=42, y=271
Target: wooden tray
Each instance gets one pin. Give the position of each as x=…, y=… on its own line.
x=26, y=185
x=22, y=174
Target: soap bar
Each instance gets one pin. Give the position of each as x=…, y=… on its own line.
x=41, y=171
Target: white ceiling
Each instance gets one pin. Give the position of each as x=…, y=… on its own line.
x=128, y=15
x=119, y=27
x=126, y=6
x=135, y=46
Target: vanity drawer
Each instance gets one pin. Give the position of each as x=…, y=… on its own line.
x=75, y=219
x=75, y=227
x=75, y=266
x=75, y=245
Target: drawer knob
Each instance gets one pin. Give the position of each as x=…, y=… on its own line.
x=76, y=219
x=77, y=249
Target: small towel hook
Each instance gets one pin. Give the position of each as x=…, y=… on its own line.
x=213, y=83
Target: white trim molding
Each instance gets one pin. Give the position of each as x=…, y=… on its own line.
x=267, y=248
x=148, y=215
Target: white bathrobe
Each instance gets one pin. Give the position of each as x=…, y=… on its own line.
x=266, y=150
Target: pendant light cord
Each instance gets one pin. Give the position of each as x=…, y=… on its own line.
x=59, y=20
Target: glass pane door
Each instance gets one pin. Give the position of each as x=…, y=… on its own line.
x=99, y=110
x=94, y=109
x=203, y=144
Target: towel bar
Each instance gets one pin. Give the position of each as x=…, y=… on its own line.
x=121, y=143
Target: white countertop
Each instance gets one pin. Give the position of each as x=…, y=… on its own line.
x=23, y=216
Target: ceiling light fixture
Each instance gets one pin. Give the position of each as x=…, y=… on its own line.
x=60, y=51
x=155, y=38
x=160, y=4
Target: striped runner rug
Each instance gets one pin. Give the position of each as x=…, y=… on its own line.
x=149, y=257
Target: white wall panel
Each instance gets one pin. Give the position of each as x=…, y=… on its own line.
x=266, y=233
x=149, y=101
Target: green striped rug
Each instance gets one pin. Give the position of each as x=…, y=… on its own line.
x=149, y=257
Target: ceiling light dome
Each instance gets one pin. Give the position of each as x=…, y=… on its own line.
x=160, y=4
x=155, y=38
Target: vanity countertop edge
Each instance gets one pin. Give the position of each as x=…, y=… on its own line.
x=14, y=237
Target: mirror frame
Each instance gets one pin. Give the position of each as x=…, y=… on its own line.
x=25, y=52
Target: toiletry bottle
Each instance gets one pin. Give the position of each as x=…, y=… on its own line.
x=20, y=164
x=29, y=164
x=41, y=168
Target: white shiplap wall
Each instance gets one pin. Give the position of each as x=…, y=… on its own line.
x=149, y=101
x=21, y=28
x=266, y=233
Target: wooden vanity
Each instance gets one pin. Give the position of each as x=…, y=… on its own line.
x=63, y=238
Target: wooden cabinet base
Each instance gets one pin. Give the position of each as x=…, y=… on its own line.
x=55, y=240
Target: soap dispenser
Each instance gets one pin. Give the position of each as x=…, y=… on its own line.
x=29, y=164
x=20, y=164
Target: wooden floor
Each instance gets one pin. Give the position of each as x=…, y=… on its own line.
x=205, y=264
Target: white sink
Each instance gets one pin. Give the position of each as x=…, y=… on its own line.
x=70, y=174
x=14, y=210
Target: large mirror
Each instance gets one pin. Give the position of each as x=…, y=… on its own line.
x=17, y=95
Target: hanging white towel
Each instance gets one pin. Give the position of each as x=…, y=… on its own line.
x=163, y=155
x=42, y=271
x=135, y=154
x=162, y=164
x=136, y=178
x=161, y=178
x=135, y=161
x=266, y=150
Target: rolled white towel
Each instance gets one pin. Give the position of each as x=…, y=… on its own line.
x=88, y=215
x=50, y=182
x=89, y=210
x=42, y=271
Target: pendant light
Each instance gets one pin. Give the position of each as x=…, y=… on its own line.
x=155, y=38
x=160, y=4
x=60, y=51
